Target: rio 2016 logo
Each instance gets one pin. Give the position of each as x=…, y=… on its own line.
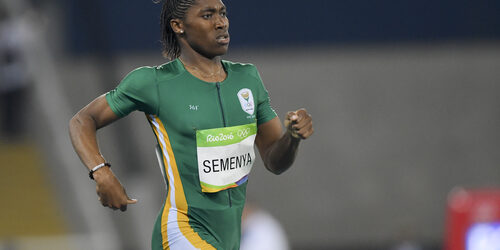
x=243, y=132
x=220, y=137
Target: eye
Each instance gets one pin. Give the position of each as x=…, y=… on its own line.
x=207, y=16
x=223, y=14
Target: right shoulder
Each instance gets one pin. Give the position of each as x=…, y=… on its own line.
x=141, y=75
x=136, y=91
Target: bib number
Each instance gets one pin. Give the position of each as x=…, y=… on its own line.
x=225, y=156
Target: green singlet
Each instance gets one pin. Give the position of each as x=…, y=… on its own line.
x=205, y=132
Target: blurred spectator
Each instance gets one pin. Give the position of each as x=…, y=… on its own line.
x=261, y=231
x=14, y=77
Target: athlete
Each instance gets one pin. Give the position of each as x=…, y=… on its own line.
x=207, y=114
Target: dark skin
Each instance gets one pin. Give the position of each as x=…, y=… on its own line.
x=203, y=38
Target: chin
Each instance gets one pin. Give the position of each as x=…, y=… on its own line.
x=216, y=53
x=220, y=50
x=223, y=52
x=212, y=51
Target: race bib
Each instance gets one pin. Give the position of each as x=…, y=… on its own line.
x=225, y=156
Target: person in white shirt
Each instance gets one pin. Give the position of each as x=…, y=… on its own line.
x=261, y=231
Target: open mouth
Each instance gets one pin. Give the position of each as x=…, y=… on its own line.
x=223, y=39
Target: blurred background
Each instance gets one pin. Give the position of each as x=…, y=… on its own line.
x=405, y=97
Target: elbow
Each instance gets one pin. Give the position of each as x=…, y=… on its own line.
x=275, y=166
x=275, y=161
x=73, y=120
x=73, y=125
x=76, y=123
x=275, y=172
x=275, y=169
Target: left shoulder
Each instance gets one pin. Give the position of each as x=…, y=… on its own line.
x=243, y=68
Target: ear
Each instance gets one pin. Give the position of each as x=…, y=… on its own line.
x=177, y=26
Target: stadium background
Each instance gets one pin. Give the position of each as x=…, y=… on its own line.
x=404, y=96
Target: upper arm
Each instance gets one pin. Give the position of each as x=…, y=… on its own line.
x=99, y=111
x=137, y=91
x=269, y=125
x=267, y=134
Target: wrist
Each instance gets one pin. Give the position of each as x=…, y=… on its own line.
x=292, y=133
x=99, y=169
x=102, y=175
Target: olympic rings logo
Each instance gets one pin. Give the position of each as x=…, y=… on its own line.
x=243, y=132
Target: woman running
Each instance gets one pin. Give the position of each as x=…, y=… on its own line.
x=207, y=114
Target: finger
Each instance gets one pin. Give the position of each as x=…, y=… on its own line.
x=302, y=113
x=103, y=201
x=129, y=201
x=287, y=121
x=291, y=116
x=306, y=128
x=102, y=197
x=302, y=132
x=308, y=133
x=114, y=207
x=301, y=110
x=123, y=208
x=302, y=123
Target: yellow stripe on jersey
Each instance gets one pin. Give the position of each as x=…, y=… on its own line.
x=181, y=205
x=166, y=208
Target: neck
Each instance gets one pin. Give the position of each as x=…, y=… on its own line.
x=204, y=63
x=206, y=69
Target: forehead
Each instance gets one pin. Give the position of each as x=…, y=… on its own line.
x=201, y=5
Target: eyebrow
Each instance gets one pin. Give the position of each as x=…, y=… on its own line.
x=212, y=9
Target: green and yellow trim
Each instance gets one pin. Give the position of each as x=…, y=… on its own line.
x=176, y=189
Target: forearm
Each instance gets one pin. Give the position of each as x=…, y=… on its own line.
x=281, y=153
x=82, y=130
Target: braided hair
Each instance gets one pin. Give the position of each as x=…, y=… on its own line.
x=172, y=9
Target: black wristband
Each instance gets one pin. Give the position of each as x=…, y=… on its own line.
x=91, y=173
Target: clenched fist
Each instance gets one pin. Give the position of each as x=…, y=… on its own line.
x=299, y=124
x=110, y=191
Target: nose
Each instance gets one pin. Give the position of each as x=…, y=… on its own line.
x=221, y=22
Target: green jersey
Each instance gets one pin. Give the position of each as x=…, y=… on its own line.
x=205, y=132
